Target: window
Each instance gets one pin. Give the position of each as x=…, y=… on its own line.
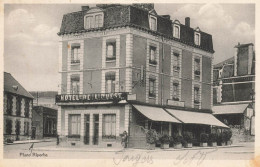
x=109, y=126
x=176, y=31
x=94, y=21
x=75, y=54
x=74, y=125
x=197, y=38
x=110, y=82
x=26, y=128
x=152, y=59
x=152, y=87
x=176, y=67
x=8, y=126
x=17, y=127
x=111, y=51
x=98, y=20
x=18, y=106
x=9, y=104
x=153, y=23
x=89, y=22
x=26, y=108
x=75, y=85
x=196, y=97
x=197, y=69
x=175, y=92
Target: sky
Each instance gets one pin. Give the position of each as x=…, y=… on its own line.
x=31, y=40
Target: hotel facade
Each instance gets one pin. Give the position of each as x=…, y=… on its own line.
x=126, y=68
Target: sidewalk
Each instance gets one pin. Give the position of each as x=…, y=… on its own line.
x=32, y=141
x=89, y=149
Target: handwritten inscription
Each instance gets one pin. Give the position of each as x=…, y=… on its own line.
x=135, y=158
x=188, y=157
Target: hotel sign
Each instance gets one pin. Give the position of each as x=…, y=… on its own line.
x=94, y=97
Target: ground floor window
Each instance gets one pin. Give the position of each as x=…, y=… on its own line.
x=74, y=125
x=109, y=125
x=8, y=126
x=26, y=128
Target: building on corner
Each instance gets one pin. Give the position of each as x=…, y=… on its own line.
x=125, y=68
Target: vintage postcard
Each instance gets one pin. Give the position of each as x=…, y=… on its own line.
x=129, y=83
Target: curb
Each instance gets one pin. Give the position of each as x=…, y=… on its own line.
x=128, y=149
x=29, y=142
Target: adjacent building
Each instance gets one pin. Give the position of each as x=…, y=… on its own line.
x=44, y=114
x=234, y=87
x=125, y=68
x=17, y=110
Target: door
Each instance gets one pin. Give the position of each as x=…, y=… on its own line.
x=96, y=129
x=86, y=137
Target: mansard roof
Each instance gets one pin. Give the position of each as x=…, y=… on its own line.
x=135, y=17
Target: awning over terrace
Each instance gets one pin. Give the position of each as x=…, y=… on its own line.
x=189, y=117
x=156, y=113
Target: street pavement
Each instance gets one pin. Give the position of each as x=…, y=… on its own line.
x=49, y=150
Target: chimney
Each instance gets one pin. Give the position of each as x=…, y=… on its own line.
x=84, y=8
x=146, y=6
x=187, y=21
x=166, y=16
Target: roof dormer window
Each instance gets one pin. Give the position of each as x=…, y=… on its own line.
x=197, y=36
x=153, y=22
x=94, y=19
x=176, y=29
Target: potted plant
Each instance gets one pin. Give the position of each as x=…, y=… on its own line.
x=151, y=136
x=165, y=141
x=221, y=139
x=204, y=139
x=213, y=139
x=187, y=138
x=177, y=141
x=228, y=135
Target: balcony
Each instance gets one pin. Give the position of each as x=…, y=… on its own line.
x=94, y=97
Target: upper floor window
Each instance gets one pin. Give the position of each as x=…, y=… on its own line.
x=153, y=22
x=110, y=82
x=111, y=51
x=93, y=20
x=175, y=93
x=18, y=106
x=197, y=68
x=176, y=31
x=75, y=53
x=75, y=85
x=176, y=66
x=152, y=59
x=197, y=38
x=9, y=104
x=152, y=87
x=27, y=108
